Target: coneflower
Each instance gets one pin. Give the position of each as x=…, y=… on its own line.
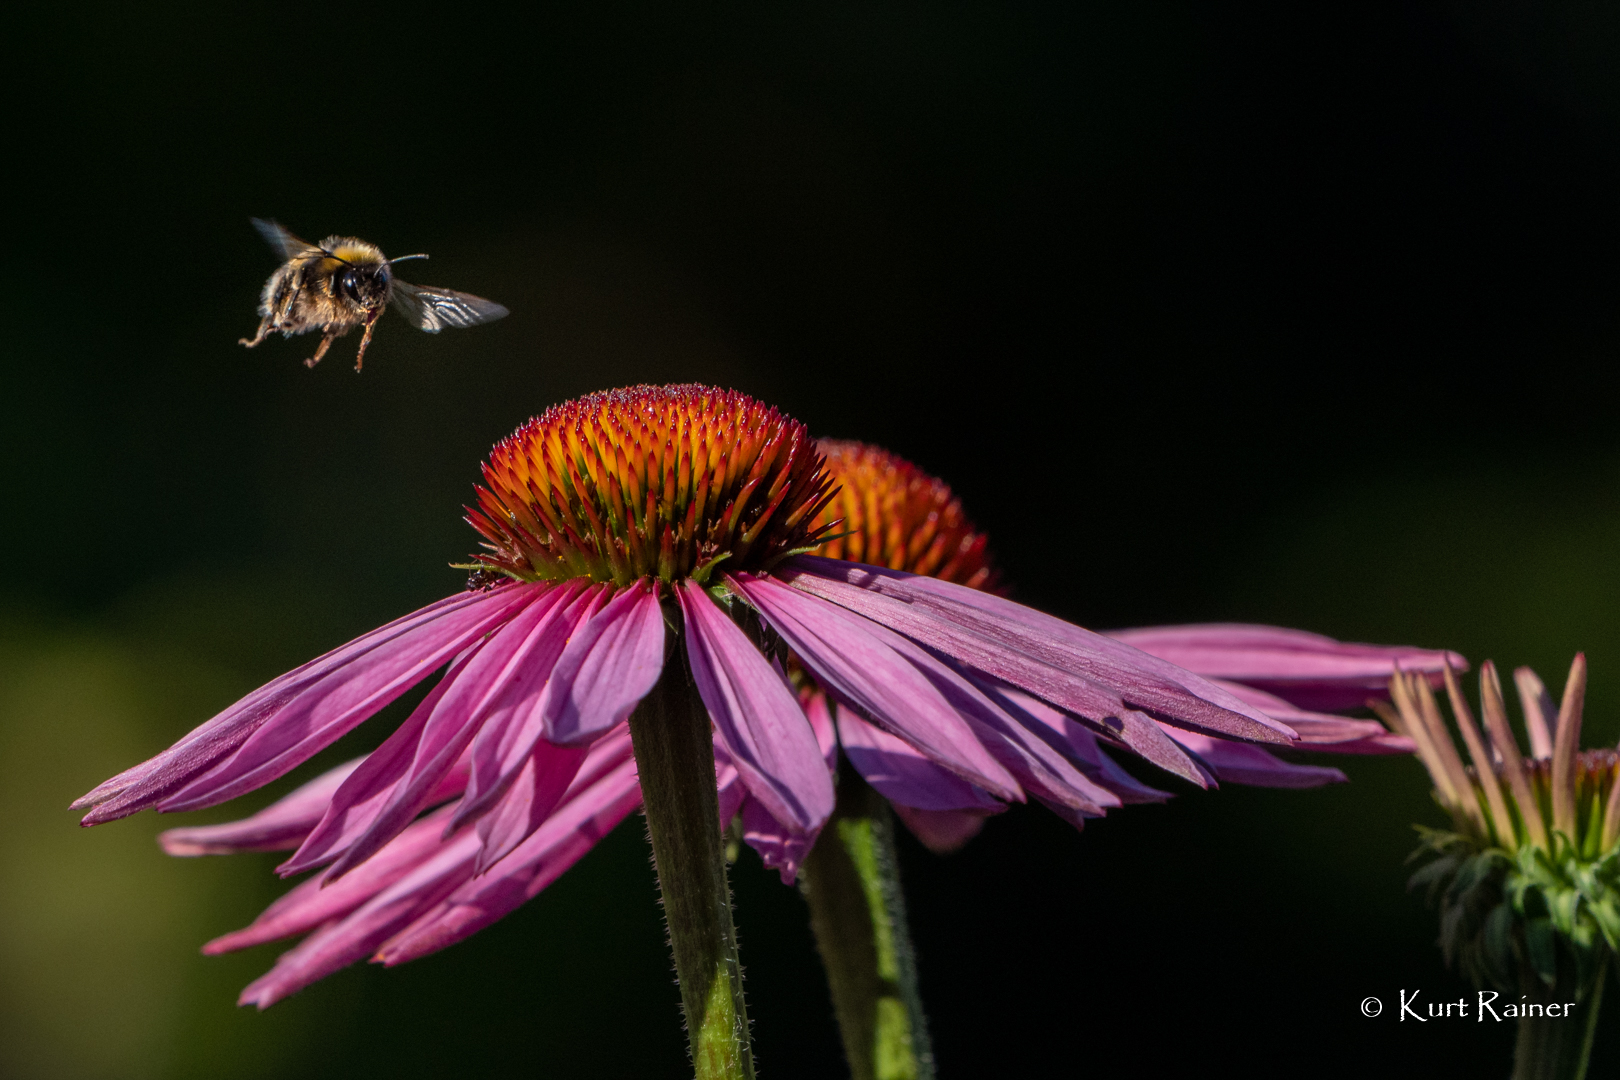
x=621, y=526
x=1528, y=876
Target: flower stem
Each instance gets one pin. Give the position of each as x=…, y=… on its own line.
x=674, y=751
x=858, y=913
x=1559, y=1047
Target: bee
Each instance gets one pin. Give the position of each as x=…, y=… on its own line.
x=343, y=282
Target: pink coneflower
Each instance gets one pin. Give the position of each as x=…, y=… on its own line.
x=613, y=523
x=422, y=891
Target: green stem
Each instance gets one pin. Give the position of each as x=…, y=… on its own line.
x=1559, y=1047
x=674, y=751
x=858, y=913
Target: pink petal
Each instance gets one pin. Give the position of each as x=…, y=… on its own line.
x=308, y=904
x=1048, y=657
x=821, y=722
x=756, y=716
x=339, y=943
x=605, y=791
x=1241, y=763
x=1024, y=749
x=281, y=825
x=287, y=721
x=852, y=657
x=490, y=675
x=1325, y=731
x=730, y=791
x=529, y=799
x=780, y=847
x=232, y=726
x=1307, y=669
x=1083, y=751
x=1137, y=733
x=446, y=866
x=610, y=664
x=354, y=806
x=903, y=775
x=515, y=721
x=363, y=815
x=941, y=831
x=393, y=786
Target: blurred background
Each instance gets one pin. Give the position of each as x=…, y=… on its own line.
x=1305, y=316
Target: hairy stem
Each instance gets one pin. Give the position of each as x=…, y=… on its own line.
x=674, y=751
x=857, y=911
x=1559, y=1047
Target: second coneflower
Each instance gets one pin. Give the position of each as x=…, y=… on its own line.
x=1528, y=877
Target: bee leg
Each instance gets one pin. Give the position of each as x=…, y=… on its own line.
x=320, y=350
x=287, y=296
x=264, y=332
x=365, y=339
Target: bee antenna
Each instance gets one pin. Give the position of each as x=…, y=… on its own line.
x=402, y=258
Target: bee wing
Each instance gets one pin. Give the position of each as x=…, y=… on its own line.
x=285, y=243
x=432, y=308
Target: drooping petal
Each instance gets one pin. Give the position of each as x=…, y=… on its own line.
x=609, y=665
x=354, y=806
x=1133, y=730
x=515, y=721
x=780, y=847
x=529, y=799
x=902, y=774
x=311, y=902
x=285, y=722
x=1024, y=749
x=341, y=942
x=1082, y=748
x=1324, y=731
x=420, y=753
x=756, y=716
x=1307, y=669
x=273, y=748
x=1242, y=763
x=281, y=825
x=392, y=787
x=1048, y=657
x=942, y=831
x=602, y=794
x=490, y=676
x=1540, y=714
x=729, y=788
x=816, y=711
x=850, y=656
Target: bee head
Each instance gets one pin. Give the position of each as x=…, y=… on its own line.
x=364, y=285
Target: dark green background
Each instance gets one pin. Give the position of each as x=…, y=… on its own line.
x=1209, y=312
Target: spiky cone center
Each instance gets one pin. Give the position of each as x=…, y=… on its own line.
x=663, y=482
x=898, y=516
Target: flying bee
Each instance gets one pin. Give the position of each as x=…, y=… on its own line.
x=343, y=282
